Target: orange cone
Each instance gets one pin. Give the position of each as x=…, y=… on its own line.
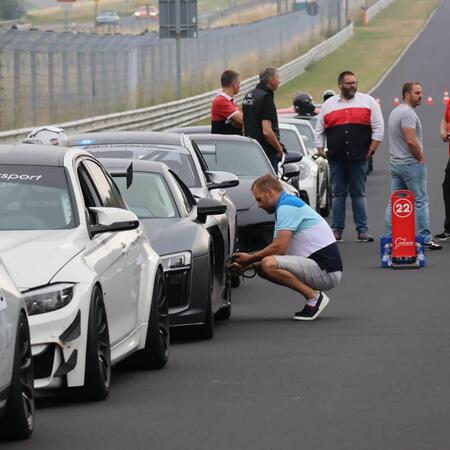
x=430, y=101
x=396, y=102
x=445, y=98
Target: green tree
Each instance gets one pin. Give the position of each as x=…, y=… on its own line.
x=11, y=9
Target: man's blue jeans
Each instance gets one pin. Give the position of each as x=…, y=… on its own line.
x=413, y=177
x=349, y=177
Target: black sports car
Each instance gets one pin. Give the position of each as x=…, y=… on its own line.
x=175, y=225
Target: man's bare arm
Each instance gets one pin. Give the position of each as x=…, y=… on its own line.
x=414, y=147
x=271, y=138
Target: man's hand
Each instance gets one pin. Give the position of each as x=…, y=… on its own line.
x=235, y=267
x=369, y=154
x=242, y=259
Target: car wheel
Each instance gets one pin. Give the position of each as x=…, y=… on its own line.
x=155, y=354
x=97, y=378
x=325, y=211
x=235, y=280
x=18, y=422
x=206, y=331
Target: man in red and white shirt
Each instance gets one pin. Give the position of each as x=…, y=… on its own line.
x=225, y=115
x=352, y=125
x=445, y=136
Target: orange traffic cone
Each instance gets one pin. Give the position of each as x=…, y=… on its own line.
x=430, y=101
x=396, y=101
x=445, y=98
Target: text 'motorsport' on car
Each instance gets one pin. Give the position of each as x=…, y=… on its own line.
x=244, y=157
x=16, y=365
x=186, y=161
x=93, y=286
x=176, y=227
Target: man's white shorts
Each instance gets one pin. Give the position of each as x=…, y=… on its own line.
x=309, y=272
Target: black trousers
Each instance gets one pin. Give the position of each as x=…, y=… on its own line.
x=446, y=192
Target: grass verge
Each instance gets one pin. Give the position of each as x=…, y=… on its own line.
x=369, y=53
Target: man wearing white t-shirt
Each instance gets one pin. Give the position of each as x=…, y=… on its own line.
x=303, y=255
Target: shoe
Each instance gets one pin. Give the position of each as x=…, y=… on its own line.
x=444, y=236
x=364, y=236
x=337, y=236
x=311, y=312
x=432, y=245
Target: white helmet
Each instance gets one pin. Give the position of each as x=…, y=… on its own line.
x=47, y=135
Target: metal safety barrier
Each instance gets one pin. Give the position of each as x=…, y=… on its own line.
x=182, y=112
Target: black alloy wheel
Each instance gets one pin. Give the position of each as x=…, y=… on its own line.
x=18, y=420
x=206, y=331
x=98, y=352
x=325, y=210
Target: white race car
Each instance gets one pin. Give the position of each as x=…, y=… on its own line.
x=16, y=368
x=93, y=286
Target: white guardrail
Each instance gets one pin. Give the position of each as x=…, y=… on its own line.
x=374, y=10
x=183, y=112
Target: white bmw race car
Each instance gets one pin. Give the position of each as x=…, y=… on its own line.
x=93, y=286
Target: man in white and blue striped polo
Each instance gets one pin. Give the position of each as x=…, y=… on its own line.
x=303, y=255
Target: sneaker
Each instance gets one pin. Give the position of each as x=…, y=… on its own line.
x=311, y=312
x=432, y=245
x=444, y=236
x=364, y=236
x=337, y=236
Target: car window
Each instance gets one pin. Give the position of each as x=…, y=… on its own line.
x=240, y=158
x=307, y=136
x=290, y=139
x=108, y=192
x=183, y=193
x=35, y=198
x=176, y=157
x=148, y=196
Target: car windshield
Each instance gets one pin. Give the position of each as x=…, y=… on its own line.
x=176, y=157
x=240, y=158
x=148, y=196
x=307, y=136
x=35, y=198
x=290, y=140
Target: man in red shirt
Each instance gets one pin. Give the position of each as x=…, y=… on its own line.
x=445, y=136
x=225, y=115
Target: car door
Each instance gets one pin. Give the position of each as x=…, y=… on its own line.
x=113, y=255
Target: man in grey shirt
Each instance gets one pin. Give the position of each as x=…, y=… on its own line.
x=407, y=162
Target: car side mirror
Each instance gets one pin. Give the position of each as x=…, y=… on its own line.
x=209, y=207
x=291, y=170
x=221, y=180
x=110, y=220
x=292, y=158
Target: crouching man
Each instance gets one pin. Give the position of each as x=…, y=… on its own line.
x=303, y=255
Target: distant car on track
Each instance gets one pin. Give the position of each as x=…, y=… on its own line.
x=93, y=286
x=16, y=365
x=146, y=12
x=107, y=18
x=176, y=227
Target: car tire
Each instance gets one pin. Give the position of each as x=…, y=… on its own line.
x=206, y=330
x=18, y=419
x=155, y=354
x=223, y=313
x=325, y=211
x=97, y=379
x=235, y=280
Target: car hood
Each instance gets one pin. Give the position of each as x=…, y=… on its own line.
x=242, y=195
x=34, y=257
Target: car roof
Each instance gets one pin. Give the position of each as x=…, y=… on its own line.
x=115, y=164
x=220, y=137
x=33, y=154
x=126, y=137
x=195, y=129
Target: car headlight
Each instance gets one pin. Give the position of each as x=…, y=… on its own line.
x=305, y=171
x=49, y=298
x=176, y=261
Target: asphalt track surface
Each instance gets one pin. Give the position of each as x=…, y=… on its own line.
x=372, y=373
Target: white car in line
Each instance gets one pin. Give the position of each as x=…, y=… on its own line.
x=93, y=286
x=16, y=366
x=310, y=179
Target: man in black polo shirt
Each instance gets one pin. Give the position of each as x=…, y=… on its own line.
x=260, y=115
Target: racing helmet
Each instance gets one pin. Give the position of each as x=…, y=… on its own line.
x=304, y=104
x=47, y=135
x=327, y=94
